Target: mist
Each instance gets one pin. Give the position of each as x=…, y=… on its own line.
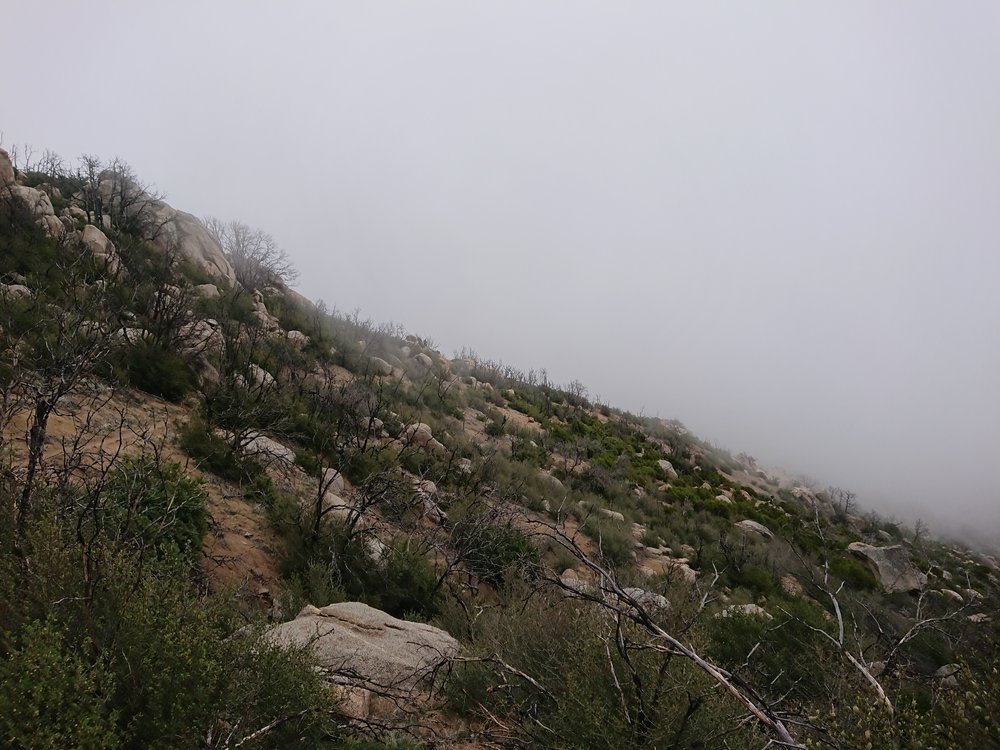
x=777, y=223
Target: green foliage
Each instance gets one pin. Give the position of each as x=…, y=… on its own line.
x=615, y=541
x=211, y=451
x=51, y=698
x=494, y=550
x=155, y=504
x=790, y=657
x=157, y=370
x=854, y=573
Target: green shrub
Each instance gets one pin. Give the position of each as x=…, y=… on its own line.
x=156, y=504
x=854, y=573
x=157, y=370
x=51, y=698
x=614, y=539
x=494, y=550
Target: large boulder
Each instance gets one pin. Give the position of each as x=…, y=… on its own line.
x=6, y=169
x=37, y=201
x=890, y=565
x=648, y=600
x=756, y=528
x=667, y=468
x=177, y=231
x=97, y=244
x=420, y=434
x=380, y=366
x=359, y=645
x=202, y=337
x=268, y=451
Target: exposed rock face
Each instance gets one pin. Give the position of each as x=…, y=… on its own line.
x=423, y=360
x=208, y=291
x=756, y=528
x=98, y=244
x=357, y=644
x=6, y=169
x=203, y=337
x=53, y=226
x=614, y=515
x=35, y=200
x=890, y=565
x=178, y=231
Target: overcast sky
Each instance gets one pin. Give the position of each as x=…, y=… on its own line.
x=778, y=222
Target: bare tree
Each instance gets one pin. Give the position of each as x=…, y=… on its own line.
x=255, y=255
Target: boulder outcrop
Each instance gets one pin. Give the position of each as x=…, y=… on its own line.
x=6, y=169
x=756, y=528
x=359, y=645
x=180, y=232
x=97, y=244
x=667, y=468
x=890, y=565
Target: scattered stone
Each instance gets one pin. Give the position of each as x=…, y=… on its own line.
x=333, y=480
x=745, y=610
x=259, y=377
x=19, y=291
x=423, y=360
x=420, y=434
x=202, y=337
x=614, y=515
x=572, y=580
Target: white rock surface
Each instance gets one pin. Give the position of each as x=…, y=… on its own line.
x=357, y=644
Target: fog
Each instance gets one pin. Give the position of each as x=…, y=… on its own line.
x=778, y=222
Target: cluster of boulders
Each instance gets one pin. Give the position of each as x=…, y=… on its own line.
x=169, y=229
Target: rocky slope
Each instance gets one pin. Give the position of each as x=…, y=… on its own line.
x=353, y=476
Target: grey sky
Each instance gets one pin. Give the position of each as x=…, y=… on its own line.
x=778, y=221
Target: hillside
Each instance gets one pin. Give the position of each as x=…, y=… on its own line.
x=238, y=519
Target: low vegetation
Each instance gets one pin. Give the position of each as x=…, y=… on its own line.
x=597, y=567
